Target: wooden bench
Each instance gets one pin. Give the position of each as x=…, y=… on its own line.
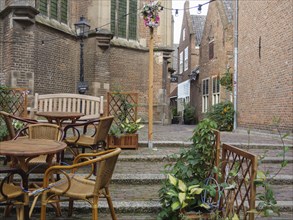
x=91, y=106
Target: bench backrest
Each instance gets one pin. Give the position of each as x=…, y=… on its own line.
x=91, y=106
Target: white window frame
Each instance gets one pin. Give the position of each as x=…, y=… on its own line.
x=205, y=94
x=215, y=90
x=186, y=58
x=181, y=63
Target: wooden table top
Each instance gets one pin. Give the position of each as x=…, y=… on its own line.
x=60, y=115
x=30, y=147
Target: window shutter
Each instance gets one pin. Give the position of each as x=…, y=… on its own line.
x=63, y=11
x=43, y=7
x=54, y=9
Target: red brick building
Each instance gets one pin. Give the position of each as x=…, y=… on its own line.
x=216, y=55
x=265, y=76
x=188, y=57
x=39, y=49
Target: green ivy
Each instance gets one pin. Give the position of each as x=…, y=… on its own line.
x=223, y=114
x=227, y=80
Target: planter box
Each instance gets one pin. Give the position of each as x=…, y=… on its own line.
x=129, y=141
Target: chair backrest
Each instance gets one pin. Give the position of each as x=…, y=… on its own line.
x=45, y=131
x=8, y=119
x=105, y=161
x=105, y=168
x=103, y=128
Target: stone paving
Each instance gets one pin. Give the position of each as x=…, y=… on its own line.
x=183, y=133
x=146, y=162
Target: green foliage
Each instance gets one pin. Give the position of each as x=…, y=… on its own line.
x=192, y=167
x=227, y=80
x=189, y=115
x=174, y=112
x=3, y=129
x=126, y=127
x=267, y=206
x=181, y=194
x=223, y=114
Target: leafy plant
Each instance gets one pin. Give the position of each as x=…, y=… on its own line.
x=126, y=127
x=3, y=130
x=267, y=206
x=192, y=167
x=227, y=80
x=223, y=114
x=189, y=114
x=181, y=194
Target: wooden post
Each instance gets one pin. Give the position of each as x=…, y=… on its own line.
x=151, y=87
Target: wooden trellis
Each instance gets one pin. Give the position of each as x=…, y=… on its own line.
x=241, y=198
x=14, y=101
x=122, y=105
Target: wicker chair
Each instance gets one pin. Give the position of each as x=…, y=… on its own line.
x=90, y=138
x=73, y=186
x=12, y=132
x=12, y=194
x=42, y=131
x=40, y=164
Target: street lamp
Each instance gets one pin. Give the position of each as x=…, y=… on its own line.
x=82, y=29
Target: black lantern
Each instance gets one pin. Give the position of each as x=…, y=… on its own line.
x=82, y=29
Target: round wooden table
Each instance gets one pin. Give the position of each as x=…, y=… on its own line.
x=22, y=150
x=59, y=117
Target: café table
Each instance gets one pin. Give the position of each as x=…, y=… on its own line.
x=22, y=150
x=60, y=117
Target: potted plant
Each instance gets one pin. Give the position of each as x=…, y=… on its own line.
x=124, y=135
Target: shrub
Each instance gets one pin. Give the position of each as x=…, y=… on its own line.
x=223, y=114
x=189, y=115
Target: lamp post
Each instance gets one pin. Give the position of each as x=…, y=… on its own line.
x=82, y=29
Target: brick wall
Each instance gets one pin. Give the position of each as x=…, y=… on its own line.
x=265, y=64
x=53, y=66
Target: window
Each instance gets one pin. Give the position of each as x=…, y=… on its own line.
x=183, y=34
x=43, y=7
x=205, y=94
x=124, y=18
x=216, y=90
x=181, y=63
x=211, y=49
x=54, y=9
x=186, y=59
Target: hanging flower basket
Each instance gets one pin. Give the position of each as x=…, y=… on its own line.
x=150, y=12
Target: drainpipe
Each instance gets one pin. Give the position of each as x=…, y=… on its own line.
x=235, y=76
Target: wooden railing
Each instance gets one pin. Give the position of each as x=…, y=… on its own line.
x=122, y=105
x=14, y=101
x=241, y=198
